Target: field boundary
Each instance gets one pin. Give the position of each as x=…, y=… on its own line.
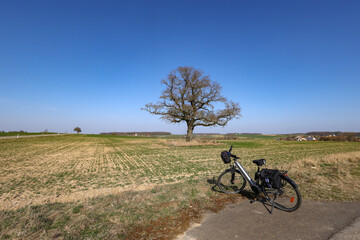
x=27, y=136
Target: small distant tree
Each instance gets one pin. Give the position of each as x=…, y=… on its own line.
x=45, y=131
x=77, y=129
x=190, y=96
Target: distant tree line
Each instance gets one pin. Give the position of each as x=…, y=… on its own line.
x=22, y=131
x=206, y=134
x=250, y=134
x=136, y=133
x=345, y=137
x=326, y=136
x=336, y=133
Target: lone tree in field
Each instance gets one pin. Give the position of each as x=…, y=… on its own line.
x=190, y=96
x=77, y=129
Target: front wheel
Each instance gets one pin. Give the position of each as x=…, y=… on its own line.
x=288, y=197
x=231, y=181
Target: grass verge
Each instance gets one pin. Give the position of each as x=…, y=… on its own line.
x=159, y=213
x=331, y=177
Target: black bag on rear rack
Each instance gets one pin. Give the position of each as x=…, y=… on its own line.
x=225, y=156
x=271, y=178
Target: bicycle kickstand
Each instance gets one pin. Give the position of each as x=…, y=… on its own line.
x=272, y=204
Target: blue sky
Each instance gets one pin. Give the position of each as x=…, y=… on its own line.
x=293, y=66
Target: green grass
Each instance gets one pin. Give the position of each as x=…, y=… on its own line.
x=98, y=187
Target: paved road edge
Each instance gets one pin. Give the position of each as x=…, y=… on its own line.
x=350, y=232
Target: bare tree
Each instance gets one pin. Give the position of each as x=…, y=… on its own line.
x=77, y=129
x=190, y=96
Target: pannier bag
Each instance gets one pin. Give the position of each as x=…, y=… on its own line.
x=271, y=178
x=225, y=156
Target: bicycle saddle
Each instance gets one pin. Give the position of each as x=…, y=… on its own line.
x=259, y=162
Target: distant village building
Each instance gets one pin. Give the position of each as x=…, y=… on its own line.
x=310, y=138
x=300, y=139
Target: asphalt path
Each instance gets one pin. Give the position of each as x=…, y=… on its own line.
x=313, y=220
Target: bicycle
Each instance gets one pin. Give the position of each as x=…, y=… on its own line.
x=273, y=186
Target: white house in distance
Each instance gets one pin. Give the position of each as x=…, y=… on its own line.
x=309, y=138
x=299, y=138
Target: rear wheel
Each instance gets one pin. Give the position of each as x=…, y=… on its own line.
x=287, y=198
x=231, y=181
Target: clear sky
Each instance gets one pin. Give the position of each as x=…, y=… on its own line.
x=293, y=66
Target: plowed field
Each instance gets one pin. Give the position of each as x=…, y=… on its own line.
x=64, y=168
x=76, y=169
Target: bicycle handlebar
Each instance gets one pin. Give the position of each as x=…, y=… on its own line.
x=231, y=155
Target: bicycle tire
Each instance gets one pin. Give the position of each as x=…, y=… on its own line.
x=225, y=183
x=289, y=198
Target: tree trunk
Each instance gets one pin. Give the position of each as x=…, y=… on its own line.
x=189, y=134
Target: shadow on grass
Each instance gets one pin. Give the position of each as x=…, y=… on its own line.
x=251, y=196
x=244, y=193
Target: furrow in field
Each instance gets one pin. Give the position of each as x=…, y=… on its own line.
x=39, y=165
x=107, y=166
x=143, y=164
x=36, y=149
x=118, y=159
x=129, y=159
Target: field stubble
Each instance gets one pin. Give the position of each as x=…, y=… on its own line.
x=114, y=187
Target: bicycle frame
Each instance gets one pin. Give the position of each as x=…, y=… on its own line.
x=243, y=172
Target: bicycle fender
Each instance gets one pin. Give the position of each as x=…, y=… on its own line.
x=291, y=181
x=235, y=170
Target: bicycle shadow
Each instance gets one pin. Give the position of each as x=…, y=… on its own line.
x=245, y=193
x=251, y=196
